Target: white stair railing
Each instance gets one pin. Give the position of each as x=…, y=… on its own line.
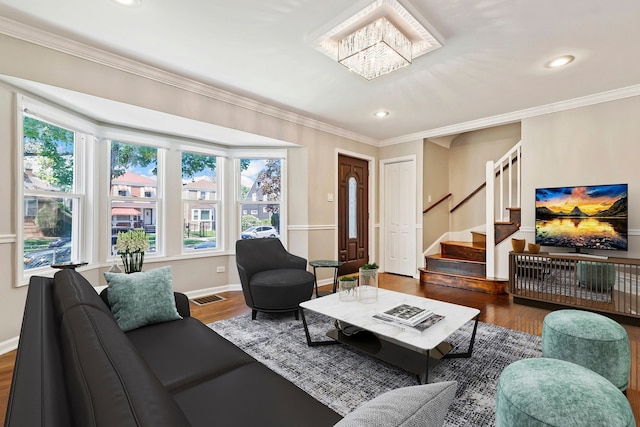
x=495, y=202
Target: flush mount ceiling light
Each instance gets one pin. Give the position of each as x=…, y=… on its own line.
x=375, y=49
x=379, y=39
x=560, y=61
x=381, y=114
x=129, y=3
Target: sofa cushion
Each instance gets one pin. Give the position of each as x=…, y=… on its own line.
x=140, y=299
x=281, y=289
x=252, y=395
x=416, y=406
x=107, y=381
x=196, y=353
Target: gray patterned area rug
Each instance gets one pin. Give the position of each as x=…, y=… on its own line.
x=343, y=378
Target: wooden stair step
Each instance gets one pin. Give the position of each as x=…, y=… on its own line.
x=477, y=284
x=438, y=263
x=470, y=251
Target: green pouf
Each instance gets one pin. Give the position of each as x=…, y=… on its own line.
x=590, y=340
x=552, y=392
x=596, y=276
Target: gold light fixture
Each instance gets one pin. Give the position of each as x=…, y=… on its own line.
x=381, y=38
x=376, y=49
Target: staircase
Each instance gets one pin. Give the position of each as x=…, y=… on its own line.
x=463, y=264
x=469, y=265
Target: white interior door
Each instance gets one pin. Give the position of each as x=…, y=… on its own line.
x=400, y=217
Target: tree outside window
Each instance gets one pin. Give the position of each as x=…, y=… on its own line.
x=262, y=200
x=51, y=198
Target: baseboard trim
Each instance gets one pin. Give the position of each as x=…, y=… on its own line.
x=9, y=345
x=213, y=290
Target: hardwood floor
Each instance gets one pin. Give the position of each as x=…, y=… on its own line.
x=495, y=309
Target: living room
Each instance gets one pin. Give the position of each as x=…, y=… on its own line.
x=575, y=140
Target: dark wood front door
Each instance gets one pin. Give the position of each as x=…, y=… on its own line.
x=353, y=213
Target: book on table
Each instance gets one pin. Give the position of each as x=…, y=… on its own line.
x=415, y=329
x=406, y=314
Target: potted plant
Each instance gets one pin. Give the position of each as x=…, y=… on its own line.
x=368, y=283
x=348, y=288
x=131, y=246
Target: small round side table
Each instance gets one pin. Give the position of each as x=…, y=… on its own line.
x=326, y=263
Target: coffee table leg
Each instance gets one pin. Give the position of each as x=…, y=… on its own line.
x=472, y=341
x=311, y=343
x=424, y=379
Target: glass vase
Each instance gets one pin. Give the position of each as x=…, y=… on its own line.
x=368, y=286
x=348, y=290
x=132, y=262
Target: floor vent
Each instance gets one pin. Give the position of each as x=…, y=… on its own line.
x=207, y=299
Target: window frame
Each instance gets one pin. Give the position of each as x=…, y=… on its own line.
x=82, y=242
x=216, y=213
x=161, y=149
x=258, y=154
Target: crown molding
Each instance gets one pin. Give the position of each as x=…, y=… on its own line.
x=71, y=47
x=516, y=116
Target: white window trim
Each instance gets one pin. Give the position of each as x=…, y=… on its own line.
x=284, y=191
x=218, y=202
x=83, y=241
x=158, y=199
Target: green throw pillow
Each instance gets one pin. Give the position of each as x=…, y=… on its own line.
x=140, y=299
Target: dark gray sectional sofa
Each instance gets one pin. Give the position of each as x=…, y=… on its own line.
x=75, y=367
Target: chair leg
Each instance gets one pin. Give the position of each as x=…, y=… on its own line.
x=253, y=314
x=297, y=314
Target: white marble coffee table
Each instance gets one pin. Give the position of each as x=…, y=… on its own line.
x=411, y=351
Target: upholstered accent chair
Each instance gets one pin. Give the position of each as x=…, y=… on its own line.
x=273, y=280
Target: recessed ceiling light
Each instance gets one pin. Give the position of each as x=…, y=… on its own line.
x=560, y=61
x=381, y=114
x=129, y=3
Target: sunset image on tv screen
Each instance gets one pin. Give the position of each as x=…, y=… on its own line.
x=593, y=217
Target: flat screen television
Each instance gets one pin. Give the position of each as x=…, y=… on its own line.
x=585, y=217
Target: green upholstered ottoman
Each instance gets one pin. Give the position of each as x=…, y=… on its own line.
x=596, y=276
x=552, y=392
x=590, y=340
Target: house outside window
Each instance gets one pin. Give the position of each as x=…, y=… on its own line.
x=52, y=193
x=200, y=202
x=134, y=176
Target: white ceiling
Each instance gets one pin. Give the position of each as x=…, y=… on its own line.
x=491, y=64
